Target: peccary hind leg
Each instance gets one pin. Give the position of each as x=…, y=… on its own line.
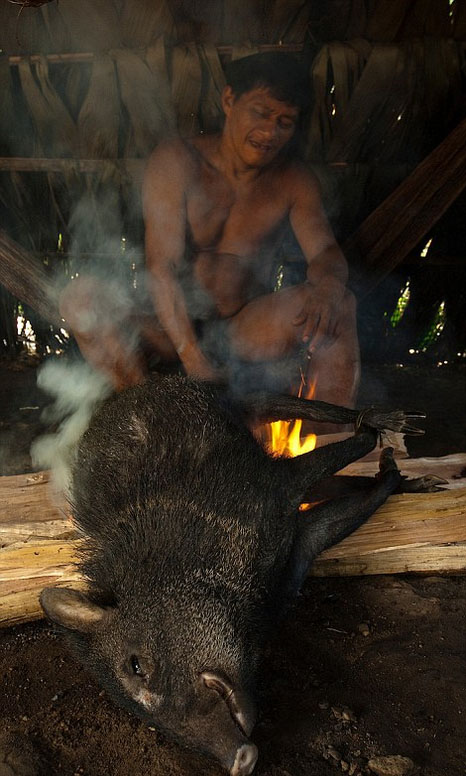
x=329, y=523
x=267, y=407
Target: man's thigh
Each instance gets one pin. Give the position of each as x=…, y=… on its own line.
x=95, y=309
x=264, y=328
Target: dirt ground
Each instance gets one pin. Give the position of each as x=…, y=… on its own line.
x=362, y=667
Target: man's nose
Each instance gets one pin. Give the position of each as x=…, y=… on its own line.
x=269, y=128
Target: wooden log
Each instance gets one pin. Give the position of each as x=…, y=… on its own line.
x=411, y=532
x=28, y=567
x=25, y=277
x=394, y=228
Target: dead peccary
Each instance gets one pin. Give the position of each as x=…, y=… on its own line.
x=195, y=546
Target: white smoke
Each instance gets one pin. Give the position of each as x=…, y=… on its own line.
x=76, y=389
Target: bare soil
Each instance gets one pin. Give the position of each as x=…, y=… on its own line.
x=362, y=667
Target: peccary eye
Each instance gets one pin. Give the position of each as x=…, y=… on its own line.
x=136, y=667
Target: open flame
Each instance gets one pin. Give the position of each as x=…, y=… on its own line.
x=283, y=437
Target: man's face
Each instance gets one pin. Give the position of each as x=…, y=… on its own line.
x=257, y=125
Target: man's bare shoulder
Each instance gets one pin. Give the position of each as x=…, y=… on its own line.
x=301, y=181
x=175, y=157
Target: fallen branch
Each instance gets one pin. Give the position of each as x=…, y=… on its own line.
x=25, y=277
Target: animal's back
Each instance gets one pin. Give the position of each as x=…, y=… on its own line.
x=170, y=437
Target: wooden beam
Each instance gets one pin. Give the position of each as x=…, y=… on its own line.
x=85, y=57
x=394, y=228
x=124, y=167
x=411, y=532
x=25, y=277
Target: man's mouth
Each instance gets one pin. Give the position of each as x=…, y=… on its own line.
x=263, y=147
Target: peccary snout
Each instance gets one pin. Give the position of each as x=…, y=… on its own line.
x=207, y=709
x=245, y=760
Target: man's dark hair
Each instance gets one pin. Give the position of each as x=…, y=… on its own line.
x=282, y=74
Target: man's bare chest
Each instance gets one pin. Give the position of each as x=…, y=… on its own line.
x=237, y=220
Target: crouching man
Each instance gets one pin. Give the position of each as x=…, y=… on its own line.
x=216, y=207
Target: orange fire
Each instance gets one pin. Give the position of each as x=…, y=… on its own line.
x=283, y=437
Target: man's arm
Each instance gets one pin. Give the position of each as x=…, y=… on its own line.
x=164, y=206
x=327, y=270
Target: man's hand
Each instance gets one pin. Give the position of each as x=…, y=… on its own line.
x=197, y=365
x=319, y=313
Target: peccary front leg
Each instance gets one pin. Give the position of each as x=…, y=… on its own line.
x=339, y=485
x=329, y=523
x=304, y=471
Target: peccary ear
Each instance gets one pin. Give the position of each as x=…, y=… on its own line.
x=240, y=706
x=71, y=609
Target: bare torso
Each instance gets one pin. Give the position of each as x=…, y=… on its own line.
x=232, y=227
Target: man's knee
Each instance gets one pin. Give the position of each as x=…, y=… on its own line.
x=78, y=303
x=90, y=306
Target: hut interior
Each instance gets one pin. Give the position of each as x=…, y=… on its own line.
x=367, y=675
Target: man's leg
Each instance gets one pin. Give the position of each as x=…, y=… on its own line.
x=333, y=373
x=263, y=330
x=108, y=331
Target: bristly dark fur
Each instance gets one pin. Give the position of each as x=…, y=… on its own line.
x=193, y=547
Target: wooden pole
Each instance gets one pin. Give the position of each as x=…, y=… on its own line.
x=125, y=167
x=88, y=56
x=394, y=229
x=25, y=277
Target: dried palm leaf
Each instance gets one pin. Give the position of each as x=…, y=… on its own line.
x=186, y=88
x=443, y=74
x=22, y=29
x=214, y=82
x=142, y=21
x=156, y=58
x=99, y=117
x=56, y=27
x=320, y=121
x=384, y=67
x=287, y=21
x=426, y=17
x=386, y=20
x=335, y=71
x=244, y=20
x=138, y=91
x=8, y=130
x=56, y=130
x=346, y=63
x=56, y=135
x=357, y=21
x=16, y=196
x=199, y=20
x=91, y=26
x=459, y=21
x=76, y=78
x=8, y=312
